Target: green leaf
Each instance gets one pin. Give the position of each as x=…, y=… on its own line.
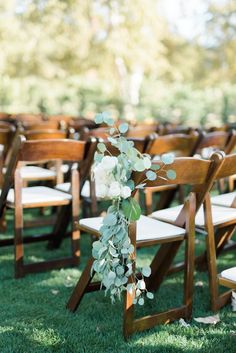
x=146, y=271
x=168, y=158
x=155, y=167
x=139, y=166
x=141, y=301
x=107, y=119
x=147, y=162
x=110, y=219
x=123, y=128
x=98, y=157
x=171, y=174
x=112, y=140
x=131, y=209
x=130, y=184
x=151, y=175
x=101, y=147
x=150, y=295
x=99, y=118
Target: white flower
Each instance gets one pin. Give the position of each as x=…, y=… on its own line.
x=125, y=192
x=109, y=163
x=101, y=190
x=114, y=190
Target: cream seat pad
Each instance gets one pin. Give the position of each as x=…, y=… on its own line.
x=38, y=194
x=230, y=274
x=219, y=215
x=224, y=199
x=147, y=228
x=34, y=172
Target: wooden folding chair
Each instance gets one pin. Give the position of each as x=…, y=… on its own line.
x=181, y=145
x=20, y=198
x=217, y=239
x=147, y=232
x=223, y=220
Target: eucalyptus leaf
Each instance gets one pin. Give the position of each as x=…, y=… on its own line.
x=151, y=175
x=110, y=219
x=171, y=174
x=101, y=147
x=146, y=271
x=123, y=128
x=155, y=166
x=141, y=301
x=168, y=158
x=139, y=165
x=150, y=295
x=98, y=118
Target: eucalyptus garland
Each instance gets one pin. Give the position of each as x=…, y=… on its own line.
x=113, y=251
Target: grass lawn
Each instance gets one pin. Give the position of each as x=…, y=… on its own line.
x=33, y=318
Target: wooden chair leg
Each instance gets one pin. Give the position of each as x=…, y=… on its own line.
x=128, y=314
x=18, y=239
x=211, y=254
x=221, y=238
x=231, y=183
x=81, y=287
x=189, y=256
x=148, y=201
x=75, y=236
x=62, y=222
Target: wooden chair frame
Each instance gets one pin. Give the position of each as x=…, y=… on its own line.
x=217, y=238
x=34, y=151
x=187, y=173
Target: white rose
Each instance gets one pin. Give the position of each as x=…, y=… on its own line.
x=125, y=192
x=109, y=163
x=100, y=174
x=101, y=190
x=114, y=190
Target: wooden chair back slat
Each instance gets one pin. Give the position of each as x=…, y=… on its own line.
x=53, y=149
x=228, y=167
x=44, y=134
x=181, y=143
x=54, y=125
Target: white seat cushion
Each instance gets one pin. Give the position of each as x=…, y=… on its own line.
x=147, y=228
x=33, y=172
x=220, y=215
x=224, y=199
x=64, y=168
x=38, y=194
x=230, y=274
x=65, y=187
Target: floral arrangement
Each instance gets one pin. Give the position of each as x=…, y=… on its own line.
x=113, y=180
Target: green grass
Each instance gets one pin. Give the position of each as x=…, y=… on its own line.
x=33, y=317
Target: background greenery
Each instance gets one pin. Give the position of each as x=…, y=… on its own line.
x=81, y=56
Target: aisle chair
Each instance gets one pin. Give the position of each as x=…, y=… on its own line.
x=182, y=146
x=149, y=232
x=20, y=198
x=215, y=242
x=223, y=221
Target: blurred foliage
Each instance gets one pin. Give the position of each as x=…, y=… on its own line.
x=82, y=56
